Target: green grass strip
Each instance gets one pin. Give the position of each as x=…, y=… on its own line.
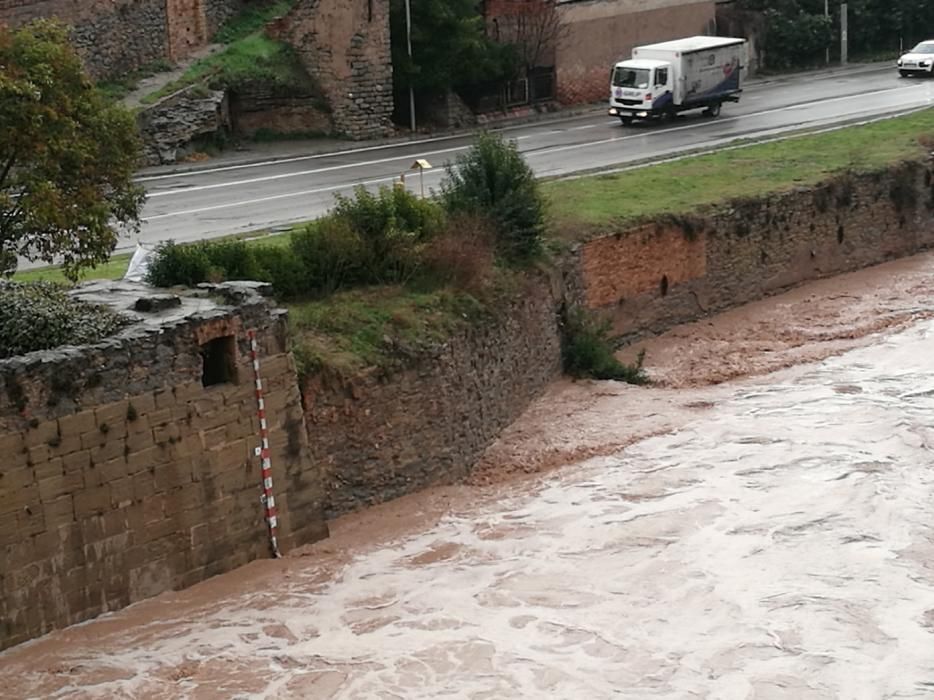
x=678, y=187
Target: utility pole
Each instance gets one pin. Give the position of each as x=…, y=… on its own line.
x=408, y=40
x=843, y=36
x=827, y=15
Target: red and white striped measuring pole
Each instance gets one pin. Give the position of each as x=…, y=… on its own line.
x=268, y=500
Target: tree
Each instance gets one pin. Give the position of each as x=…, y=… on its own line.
x=67, y=156
x=449, y=45
x=493, y=181
x=534, y=27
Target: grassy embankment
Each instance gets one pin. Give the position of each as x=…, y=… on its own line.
x=349, y=329
x=612, y=201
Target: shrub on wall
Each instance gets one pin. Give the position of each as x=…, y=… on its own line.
x=174, y=264
x=369, y=238
x=492, y=179
x=587, y=350
x=463, y=256
x=41, y=315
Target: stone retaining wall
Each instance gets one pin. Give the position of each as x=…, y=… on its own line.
x=124, y=476
x=169, y=126
x=672, y=271
x=255, y=109
x=379, y=437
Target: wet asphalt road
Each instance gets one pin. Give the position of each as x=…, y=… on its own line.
x=223, y=199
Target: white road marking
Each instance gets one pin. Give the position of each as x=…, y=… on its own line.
x=270, y=198
x=717, y=145
x=555, y=149
x=350, y=151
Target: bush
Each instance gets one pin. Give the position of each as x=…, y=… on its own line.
x=174, y=264
x=215, y=261
x=462, y=256
x=281, y=269
x=41, y=315
x=390, y=225
x=795, y=39
x=367, y=239
x=331, y=255
x=492, y=179
x=588, y=351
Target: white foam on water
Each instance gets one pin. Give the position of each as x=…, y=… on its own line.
x=781, y=546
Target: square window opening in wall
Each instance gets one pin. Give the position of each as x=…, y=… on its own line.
x=219, y=358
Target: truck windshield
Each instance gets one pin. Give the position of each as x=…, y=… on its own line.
x=630, y=77
x=924, y=47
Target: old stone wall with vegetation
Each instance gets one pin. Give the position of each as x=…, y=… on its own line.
x=119, y=36
x=129, y=465
x=677, y=269
x=377, y=436
x=257, y=111
x=345, y=46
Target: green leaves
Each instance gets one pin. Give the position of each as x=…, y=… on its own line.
x=41, y=315
x=67, y=157
x=493, y=180
x=450, y=48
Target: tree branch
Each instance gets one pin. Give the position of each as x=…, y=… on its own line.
x=8, y=166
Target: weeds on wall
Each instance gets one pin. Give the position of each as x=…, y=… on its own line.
x=41, y=315
x=387, y=274
x=489, y=211
x=492, y=179
x=588, y=350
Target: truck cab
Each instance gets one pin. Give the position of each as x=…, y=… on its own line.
x=641, y=89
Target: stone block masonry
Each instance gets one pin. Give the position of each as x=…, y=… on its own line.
x=129, y=468
x=345, y=45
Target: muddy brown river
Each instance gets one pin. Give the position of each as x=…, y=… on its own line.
x=755, y=526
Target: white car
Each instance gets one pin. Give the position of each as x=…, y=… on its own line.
x=919, y=60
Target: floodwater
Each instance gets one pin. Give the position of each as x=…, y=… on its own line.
x=769, y=537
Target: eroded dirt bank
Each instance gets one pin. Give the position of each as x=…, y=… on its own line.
x=768, y=536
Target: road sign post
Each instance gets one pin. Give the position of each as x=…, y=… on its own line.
x=843, y=32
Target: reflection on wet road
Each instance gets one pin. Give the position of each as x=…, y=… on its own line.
x=781, y=545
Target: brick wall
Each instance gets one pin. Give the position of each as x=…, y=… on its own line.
x=345, y=45
x=117, y=36
x=673, y=271
x=378, y=437
x=123, y=476
x=601, y=32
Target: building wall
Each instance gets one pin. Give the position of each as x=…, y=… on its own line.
x=123, y=476
x=601, y=32
x=345, y=45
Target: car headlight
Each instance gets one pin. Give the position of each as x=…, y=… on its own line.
x=898, y=62
x=924, y=64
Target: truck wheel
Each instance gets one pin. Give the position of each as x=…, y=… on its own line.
x=713, y=110
x=627, y=121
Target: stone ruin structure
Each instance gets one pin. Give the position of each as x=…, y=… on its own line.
x=129, y=467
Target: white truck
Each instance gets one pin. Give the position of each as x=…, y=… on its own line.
x=660, y=80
